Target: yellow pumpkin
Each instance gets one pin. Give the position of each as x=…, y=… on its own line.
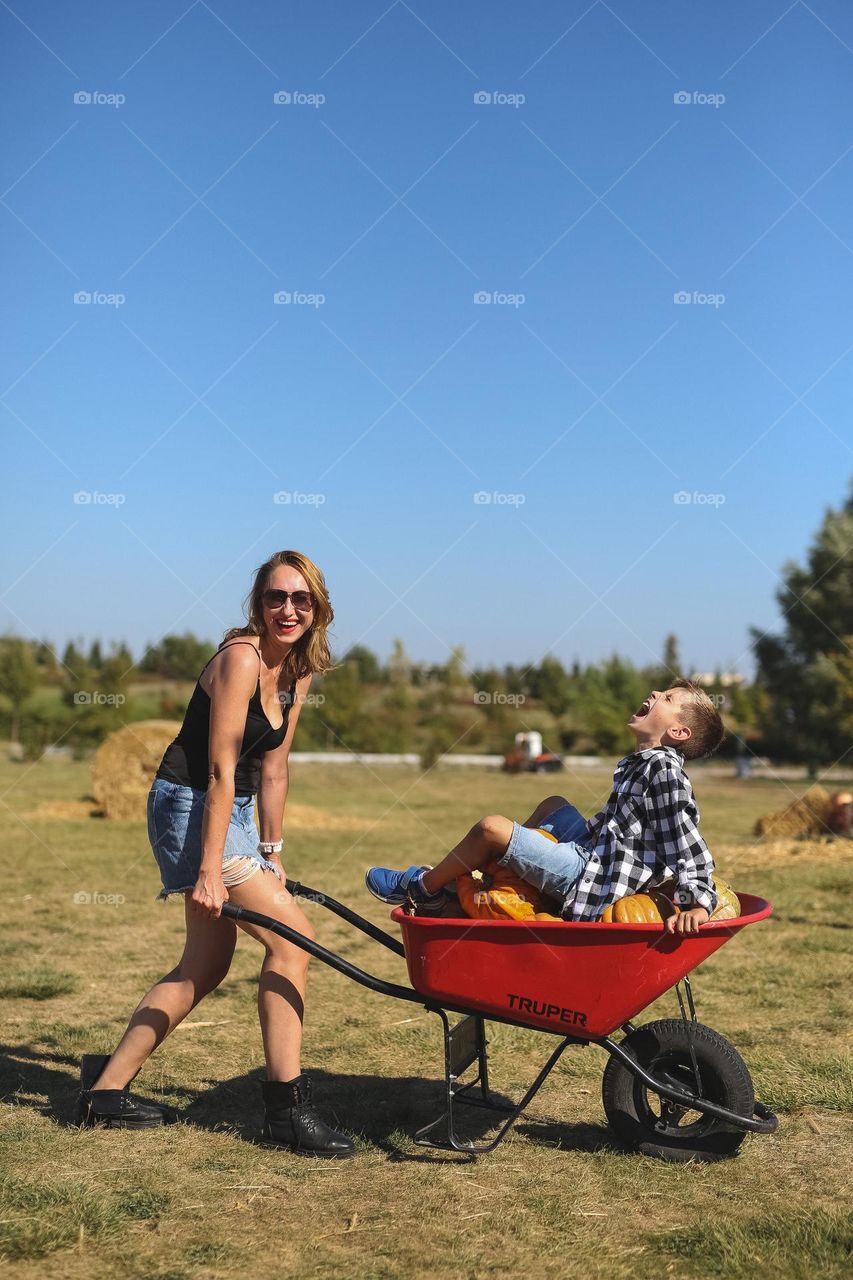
x=640, y=908
x=728, y=903
x=499, y=895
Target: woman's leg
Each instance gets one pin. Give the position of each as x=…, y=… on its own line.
x=281, y=988
x=486, y=840
x=206, y=960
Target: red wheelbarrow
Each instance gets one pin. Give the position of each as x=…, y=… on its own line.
x=673, y=1088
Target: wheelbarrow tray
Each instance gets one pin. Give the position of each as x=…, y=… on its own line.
x=577, y=979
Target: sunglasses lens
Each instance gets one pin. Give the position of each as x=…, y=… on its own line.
x=302, y=600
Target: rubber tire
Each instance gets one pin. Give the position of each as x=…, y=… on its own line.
x=725, y=1077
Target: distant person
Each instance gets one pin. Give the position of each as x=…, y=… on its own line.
x=233, y=745
x=646, y=833
x=743, y=765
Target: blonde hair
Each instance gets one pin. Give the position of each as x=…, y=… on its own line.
x=702, y=719
x=311, y=653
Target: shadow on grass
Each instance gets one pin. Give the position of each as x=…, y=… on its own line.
x=384, y=1112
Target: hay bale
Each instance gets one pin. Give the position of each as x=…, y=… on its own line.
x=808, y=816
x=125, y=763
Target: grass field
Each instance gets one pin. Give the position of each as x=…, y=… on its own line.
x=84, y=937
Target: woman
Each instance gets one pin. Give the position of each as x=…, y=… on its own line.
x=234, y=743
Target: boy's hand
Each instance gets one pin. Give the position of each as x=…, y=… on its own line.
x=687, y=921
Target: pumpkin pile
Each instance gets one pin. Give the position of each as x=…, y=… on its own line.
x=500, y=894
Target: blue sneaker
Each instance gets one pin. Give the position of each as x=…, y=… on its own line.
x=398, y=887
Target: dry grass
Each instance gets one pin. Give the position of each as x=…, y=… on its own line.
x=202, y=1199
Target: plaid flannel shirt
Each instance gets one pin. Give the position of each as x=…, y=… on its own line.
x=645, y=834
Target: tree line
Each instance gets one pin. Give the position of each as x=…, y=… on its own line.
x=798, y=708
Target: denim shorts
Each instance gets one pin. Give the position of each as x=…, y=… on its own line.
x=553, y=868
x=175, y=815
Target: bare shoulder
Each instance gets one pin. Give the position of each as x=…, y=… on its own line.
x=234, y=664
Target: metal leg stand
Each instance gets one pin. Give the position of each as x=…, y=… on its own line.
x=465, y=1044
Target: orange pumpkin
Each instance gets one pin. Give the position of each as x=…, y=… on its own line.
x=656, y=906
x=498, y=895
x=640, y=908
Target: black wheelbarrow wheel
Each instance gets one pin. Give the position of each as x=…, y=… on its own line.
x=649, y=1123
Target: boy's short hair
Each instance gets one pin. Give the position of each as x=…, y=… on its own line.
x=702, y=719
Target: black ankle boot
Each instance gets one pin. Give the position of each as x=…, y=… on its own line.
x=115, y=1108
x=290, y=1120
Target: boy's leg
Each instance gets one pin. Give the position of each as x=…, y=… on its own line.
x=543, y=808
x=486, y=840
x=551, y=865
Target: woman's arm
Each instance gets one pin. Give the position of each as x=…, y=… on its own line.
x=235, y=675
x=272, y=789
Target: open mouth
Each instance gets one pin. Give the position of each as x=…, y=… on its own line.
x=643, y=710
x=285, y=627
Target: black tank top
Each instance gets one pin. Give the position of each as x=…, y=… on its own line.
x=185, y=760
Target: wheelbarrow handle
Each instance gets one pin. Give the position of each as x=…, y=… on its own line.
x=346, y=913
x=321, y=953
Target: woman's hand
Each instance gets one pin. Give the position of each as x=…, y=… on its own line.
x=209, y=894
x=275, y=859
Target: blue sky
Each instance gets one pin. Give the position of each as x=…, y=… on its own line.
x=580, y=199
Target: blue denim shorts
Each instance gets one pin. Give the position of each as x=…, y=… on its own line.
x=175, y=815
x=552, y=868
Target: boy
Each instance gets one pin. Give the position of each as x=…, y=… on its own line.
x=645, y=834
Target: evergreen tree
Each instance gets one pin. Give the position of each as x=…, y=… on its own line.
x=342, y=712
x=18, y=676
x=369, y=669
x=45, y=657
x=177, y=657
x=554, y=686
x=661, y=675
x=72, y=660
x=805, y=671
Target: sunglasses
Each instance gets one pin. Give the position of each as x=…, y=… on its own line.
x=302, y=601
